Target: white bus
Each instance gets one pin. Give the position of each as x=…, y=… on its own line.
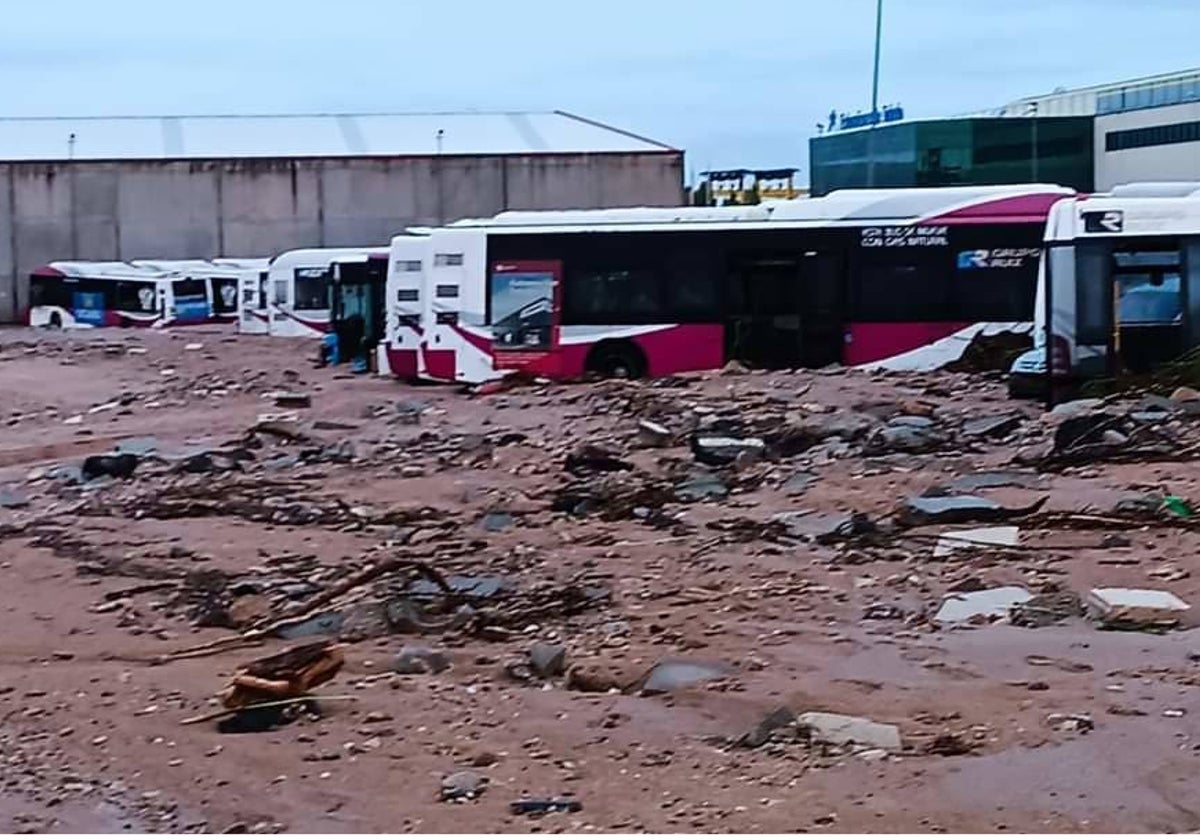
x=298, y=284
x=225, y=279
x=904, y=279
x=1119, y=286
x=115, y=294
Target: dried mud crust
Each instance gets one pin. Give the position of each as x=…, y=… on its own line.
x=602, y=522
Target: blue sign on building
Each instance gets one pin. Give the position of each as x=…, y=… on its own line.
x=845, y=122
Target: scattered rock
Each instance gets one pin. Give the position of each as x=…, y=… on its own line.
x=948, y=744
x=13, y=498
x=723, y=451
x=595, y=678
x=987, y=604
x=547, y=660
x=950, y=510
x=798, y=483
x=290, y=399
x=120, y=466
x=781, y=718
x=701, y=486
x=545, y=806
x=843, y=730
x=654, y=435
x=1070, y=722
x=673, y=674
x=992, y=427
x=420, y=660
x=463, y=786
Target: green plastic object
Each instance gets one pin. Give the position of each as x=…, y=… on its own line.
x=1178, y=506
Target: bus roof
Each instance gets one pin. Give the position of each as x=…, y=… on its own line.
x=324, y=256
x=1124, y=216
x=102, y=271
x=221, y=265
x=941, y=205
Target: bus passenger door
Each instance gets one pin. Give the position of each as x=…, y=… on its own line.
x=762, y=299
x=525, y=309
x=822, y=309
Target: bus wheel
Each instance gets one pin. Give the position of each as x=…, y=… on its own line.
x=55, y=321
x=617, y=360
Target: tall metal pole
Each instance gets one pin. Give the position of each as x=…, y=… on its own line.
x=878, y=43
x=874, y=95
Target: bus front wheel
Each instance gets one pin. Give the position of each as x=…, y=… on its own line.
x=617, y=360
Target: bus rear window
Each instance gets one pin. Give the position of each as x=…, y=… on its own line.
x=312, y=288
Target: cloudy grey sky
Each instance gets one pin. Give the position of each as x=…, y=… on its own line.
x=733, y=83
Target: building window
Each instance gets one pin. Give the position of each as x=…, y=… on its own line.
x=1156, y=135
x=447, y=260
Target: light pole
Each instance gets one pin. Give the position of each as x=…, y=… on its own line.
x=874, y=96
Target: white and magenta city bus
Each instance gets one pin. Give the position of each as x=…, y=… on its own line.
x=861, y=277
x=1122, y=282
x=223, y=278
x=298, y=288
x=118, y=294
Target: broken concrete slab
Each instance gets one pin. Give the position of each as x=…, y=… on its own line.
x=497, y=521
x=986, y=481
x=825, y=528
x=1119, y=608
x=986, y=604
x=673, y=674
x=951, y=510
x=998, y=425
x=1076, y=408
x=722, y=451
x=954, y=541
x=701, y=486
x=13, y=498
x=844, y=730
x=798, y=483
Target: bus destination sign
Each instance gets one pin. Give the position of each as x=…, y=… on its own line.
x=922, y=236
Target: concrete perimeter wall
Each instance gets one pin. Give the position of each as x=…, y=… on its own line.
x=126, y=210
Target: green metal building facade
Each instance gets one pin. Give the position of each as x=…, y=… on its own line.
x=969, y=151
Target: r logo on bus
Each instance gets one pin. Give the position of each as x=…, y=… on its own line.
x=1104, y=221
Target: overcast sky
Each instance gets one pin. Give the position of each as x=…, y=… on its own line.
x=733, y=83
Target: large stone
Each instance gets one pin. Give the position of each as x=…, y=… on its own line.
x=673, y=674
x=547, y=660
x=464, y=785
x=986, y=604
x=843, y=730
x=1136, y=608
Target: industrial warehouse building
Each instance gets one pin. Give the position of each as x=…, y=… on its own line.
x=202, y=187
x=1091, y=138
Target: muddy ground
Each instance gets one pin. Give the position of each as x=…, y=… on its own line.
x=109, y=587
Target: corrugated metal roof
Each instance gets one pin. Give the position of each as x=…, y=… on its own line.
x=311, y=135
